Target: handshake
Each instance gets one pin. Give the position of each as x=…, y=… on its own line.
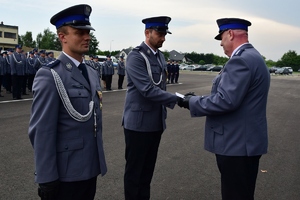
x=184, y=101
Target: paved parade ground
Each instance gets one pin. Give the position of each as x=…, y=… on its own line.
x=184, y=170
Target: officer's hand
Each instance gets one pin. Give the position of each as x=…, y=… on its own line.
x=48, y=191
x=184, y=102
x=180, y=102
x=190, y=94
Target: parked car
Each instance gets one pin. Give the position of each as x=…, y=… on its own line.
x=201, y=68
x=290, y=69
x=181, y=66
x=282, y=71
x=273, y=69
x=189, y=67
x=215, y=68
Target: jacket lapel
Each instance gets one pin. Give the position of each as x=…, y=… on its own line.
x=73, y=69
x=76, y=75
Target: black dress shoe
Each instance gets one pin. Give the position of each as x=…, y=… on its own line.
x=24, y=94
x=1, y=95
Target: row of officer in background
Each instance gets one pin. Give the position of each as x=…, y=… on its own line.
x=106, y=70
x=173, y=71
x=18, y=68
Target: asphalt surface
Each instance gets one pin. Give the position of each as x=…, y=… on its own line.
x=184, y=170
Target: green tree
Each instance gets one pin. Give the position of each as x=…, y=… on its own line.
x=201, y=62
x=166, y=54
x=93, y=44
x=290, y=59
x=218, y=60
x=20, y=41
x=114, y=53
x=195, y=57
x=47, y=40
x=27, y=40
x=270, y=63
x=209, y=58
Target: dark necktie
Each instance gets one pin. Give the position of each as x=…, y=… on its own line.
x=83, y=70
x=158, y=59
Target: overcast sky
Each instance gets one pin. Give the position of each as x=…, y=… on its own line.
x=275, y=24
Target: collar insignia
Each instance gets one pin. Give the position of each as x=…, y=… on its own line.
x=69, y=66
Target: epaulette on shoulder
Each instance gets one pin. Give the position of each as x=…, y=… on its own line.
x=53, y=63
x=138, y=48
x=91, y=66
x=239, y=52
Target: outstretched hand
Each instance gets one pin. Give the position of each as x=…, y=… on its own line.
x=184, y=102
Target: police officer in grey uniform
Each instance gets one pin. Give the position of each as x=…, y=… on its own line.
x=97, y=66
x=18, y=66
x=65, y=127
x=2, y=71
x=121, y=72
x=50, y=57
x=7, y=76
x=40, y=61
x=108, y=71
x=145, y=108
x=236, y=124
x=31, y=71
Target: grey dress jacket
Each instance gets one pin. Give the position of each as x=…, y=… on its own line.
x=236, y=123
x=145, y=102
x=64, y=148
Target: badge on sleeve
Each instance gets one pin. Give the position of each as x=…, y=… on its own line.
x=100, y=98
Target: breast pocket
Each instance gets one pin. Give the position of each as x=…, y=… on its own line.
x=79, y=98
x=156, y=73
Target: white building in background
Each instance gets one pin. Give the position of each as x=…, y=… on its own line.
x=8, y=36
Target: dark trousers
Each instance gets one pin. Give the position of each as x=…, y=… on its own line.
x=17, y=86
x=140, y=154
x=169, y=77
x=120, y=81
x=24, y=84
x=79, y=190
x=238, y=176
x=108, y=80
x=176, y=77
x=7, y=82
x=172, y=77
x=1, y=79
x=30, y=81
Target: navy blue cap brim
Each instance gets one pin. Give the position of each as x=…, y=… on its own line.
x=161, y=30
x=86, y=27
x=218, y=37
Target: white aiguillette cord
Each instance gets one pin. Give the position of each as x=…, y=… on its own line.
x=149, y=70
x=67, y=103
